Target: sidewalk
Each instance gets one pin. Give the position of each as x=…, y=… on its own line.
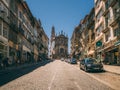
x=112, y=69
x=17, y=67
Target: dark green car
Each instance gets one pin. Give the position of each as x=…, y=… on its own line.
x=91, y=64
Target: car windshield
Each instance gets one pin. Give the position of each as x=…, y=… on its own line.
x=90, y=60
x=73, y=59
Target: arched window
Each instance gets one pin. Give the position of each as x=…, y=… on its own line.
x=61, y=50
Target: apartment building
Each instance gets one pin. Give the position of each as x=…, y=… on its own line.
x=21, y=35
x=4, y=29
x=111, y=48
x=91, y=34
x=100, y=32
x=75, y=42
x=99, y=26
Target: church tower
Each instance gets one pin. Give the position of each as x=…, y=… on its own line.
x=52, y=42
x=53, y=34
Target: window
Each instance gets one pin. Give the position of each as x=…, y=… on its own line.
x=20, y=14
x=61, y=50
x=116, y=32
x=99, y=29
x=97, y=3
x=0, y=6
x=5, y=32
x=5, y=11
x=99, y=14
x=0, y=29
x=7, y=1
x=107, y=35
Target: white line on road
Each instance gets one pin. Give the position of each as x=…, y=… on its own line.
x=52, y=81
x=77, y=86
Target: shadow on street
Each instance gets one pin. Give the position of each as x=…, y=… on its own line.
x=9, y=75
x=97, y=71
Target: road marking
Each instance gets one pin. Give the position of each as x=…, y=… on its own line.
x=52, y=81
x=77, y=86
x=107, y=84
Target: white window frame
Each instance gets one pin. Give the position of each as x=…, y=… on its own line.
x=5, y=29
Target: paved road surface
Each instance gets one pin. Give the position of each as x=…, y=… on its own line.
x=56, y=75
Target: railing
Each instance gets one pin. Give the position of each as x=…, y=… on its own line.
x=112, y=2
x=14, y=27
x=4, y=17
x=21, y=30
x=113, y=18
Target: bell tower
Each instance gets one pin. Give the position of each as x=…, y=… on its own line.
x=52, y=41
x=53, y=34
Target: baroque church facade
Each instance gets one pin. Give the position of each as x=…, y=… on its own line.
x=59, y=45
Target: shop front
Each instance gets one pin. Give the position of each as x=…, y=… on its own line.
x=26, y=54
x=117, y=44
x=13, y=50
x=4, y=50
x=111, y=55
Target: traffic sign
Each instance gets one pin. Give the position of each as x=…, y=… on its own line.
x=99, y=43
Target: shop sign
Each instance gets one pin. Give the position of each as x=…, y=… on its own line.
x=117, y=43
x=99, y=43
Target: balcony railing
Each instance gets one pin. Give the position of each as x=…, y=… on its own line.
x=21, y=30
x=14, y=27
x=4, y=17
x=113, y=2
x=113, y=19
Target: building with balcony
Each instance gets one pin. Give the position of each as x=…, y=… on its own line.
x=45, y=42
x=4, y=29
x=91, y=34
x=99, y=27
x=75, y=43
x=111, y=48
x=21, y=36
x=26, y=32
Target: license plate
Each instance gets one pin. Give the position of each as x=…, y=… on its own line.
x=96, y=68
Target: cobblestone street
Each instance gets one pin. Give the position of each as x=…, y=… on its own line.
x=59, y=75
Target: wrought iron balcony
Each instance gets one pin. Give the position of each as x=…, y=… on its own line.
x=114, y=19
x=113, y=2
x=4, y=17
x=14, y=27
x=21, y=30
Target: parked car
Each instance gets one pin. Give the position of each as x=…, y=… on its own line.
x=68, y=60
x=73, y=61
x=88, y=64
x=62, y=59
